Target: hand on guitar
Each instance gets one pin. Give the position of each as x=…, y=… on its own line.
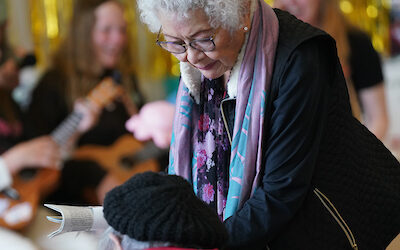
x=90, y=112
x=38, y=152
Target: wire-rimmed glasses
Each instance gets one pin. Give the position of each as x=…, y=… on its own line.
x=204, y=44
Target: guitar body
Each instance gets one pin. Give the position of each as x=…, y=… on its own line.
x=19, y=213
x=110, y=157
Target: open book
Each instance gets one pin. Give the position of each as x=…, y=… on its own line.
x=77, y=218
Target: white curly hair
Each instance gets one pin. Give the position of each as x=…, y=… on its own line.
x=222, y=13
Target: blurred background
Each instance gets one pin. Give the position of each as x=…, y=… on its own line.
x=40, y=26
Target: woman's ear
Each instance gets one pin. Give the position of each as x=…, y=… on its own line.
x=116, y=240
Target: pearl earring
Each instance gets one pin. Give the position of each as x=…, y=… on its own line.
x=246, y=28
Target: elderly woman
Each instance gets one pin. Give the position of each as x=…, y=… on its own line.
x=264, y=130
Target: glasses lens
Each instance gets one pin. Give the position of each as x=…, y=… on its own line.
x=172, y=47
x=203, y=45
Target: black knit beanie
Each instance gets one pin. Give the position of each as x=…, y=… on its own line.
x=159, y=207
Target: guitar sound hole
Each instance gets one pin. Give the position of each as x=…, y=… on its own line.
x=27, y=174
x=149, y=151
x=127, y=162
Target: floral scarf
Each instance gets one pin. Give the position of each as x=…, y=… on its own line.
x=252, y=76
x=211, y=147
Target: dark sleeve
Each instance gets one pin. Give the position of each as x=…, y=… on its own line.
x=48, y=107
x=365, y=63
x=297, y=123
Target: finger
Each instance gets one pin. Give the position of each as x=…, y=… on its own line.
x=94, y=108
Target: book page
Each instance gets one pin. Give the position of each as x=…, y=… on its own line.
x=99, y=222
x=76, y=218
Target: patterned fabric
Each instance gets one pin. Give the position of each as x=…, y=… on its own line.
x=211, y=146
x=246, y=158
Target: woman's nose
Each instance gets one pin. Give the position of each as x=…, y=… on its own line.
x=193, y=55
x=118, y=38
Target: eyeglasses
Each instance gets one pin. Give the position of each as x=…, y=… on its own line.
x=204, y=45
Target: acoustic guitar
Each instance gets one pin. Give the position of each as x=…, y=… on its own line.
x=18, y=204
x=124, y=158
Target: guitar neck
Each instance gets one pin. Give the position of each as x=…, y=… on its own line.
x=66, y=129
x=103, y=94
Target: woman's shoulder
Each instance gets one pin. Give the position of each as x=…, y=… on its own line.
x=358, y=36
x=360, y=43
x=52, y=79
x=52, y=74
x=365, y=61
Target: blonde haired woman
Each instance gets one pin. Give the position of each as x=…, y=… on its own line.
x=96, y=47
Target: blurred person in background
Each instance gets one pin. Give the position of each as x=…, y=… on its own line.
x=16, y=152
x=360, y=62
x=95, y=48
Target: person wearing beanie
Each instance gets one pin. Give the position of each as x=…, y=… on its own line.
x=155, y=210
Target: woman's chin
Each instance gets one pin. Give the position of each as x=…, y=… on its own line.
x=109, y=62
x=211, y=74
